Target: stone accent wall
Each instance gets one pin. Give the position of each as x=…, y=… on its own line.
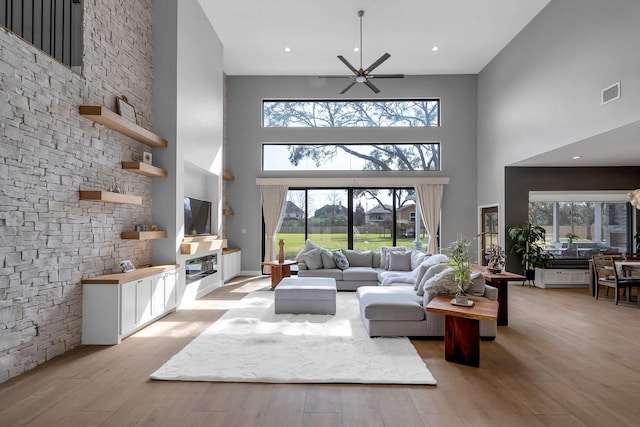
x=48, y=152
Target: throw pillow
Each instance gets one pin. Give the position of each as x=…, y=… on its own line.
x=308, y=245
x=377, y=260
x=432, y=270
x=399, y=261
x=416, y=259
x=327, y=259
x=340, y=260
x=313, y=259
x=384, y=256
x=476, y=288
x=359, y=258
x=443, y=283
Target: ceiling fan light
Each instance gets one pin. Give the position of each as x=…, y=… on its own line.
x=361, y=79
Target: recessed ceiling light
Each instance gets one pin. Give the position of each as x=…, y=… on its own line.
x=356, y=49
x=576, y=157
x=287, y=49
x=435, y=48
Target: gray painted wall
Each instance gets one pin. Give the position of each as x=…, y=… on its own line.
x=245, y=135
x=543, y=90
x=188, y=88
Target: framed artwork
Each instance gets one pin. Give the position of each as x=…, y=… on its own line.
x=126, y=266
x=125, y=109
x=147, y=157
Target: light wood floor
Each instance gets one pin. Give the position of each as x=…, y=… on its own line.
x=564, y=360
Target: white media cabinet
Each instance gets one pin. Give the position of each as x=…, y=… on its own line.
x=562, y=278
x=116, y=305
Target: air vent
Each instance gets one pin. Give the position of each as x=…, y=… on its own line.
x=610, y=93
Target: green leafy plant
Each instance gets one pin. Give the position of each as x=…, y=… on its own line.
x=529, y=244
x=458, y=253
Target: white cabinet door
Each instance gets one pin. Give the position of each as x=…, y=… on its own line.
x=127, y=307
x=581, y=277
x=157, y=295
x=143, y=300
x=170, y=290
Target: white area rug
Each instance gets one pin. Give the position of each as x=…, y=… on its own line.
x=250, y=343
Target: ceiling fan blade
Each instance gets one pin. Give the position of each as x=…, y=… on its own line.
x=371, y=86
x=348, y=87
x=385, y=76
x=378, y=62
x=345, y=62
x=335, y=77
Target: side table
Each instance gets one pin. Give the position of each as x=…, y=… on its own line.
x=279, y=270
x=462, y=327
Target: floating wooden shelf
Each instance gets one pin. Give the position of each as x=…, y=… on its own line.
x=227, y=251
x=227, y=212
x=143, y=235
x=190, y=248
x=109, y=197
x=112, y=120
x=203, y=238
x=144, y=169
x=228, y=176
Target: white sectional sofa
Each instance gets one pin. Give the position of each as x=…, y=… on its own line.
x=393, y=287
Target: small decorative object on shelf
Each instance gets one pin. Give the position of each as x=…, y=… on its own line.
x=153, y=227
x=495, y=259
x=125, y=109
x=147, y=157
x=281, y=252
x=126, y=266
x=115, y=188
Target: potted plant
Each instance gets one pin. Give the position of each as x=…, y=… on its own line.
x=495, y=258
x=458, y=253
x=529, y=244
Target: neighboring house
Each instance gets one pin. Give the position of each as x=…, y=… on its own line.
x=292, y=212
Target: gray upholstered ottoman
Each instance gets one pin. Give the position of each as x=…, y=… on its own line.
x=310, y=295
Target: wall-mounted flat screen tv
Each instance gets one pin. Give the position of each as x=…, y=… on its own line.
x=197, y=217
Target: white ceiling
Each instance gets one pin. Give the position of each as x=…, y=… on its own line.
x=469, y=33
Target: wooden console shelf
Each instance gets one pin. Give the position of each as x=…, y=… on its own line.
x=109, y=197
x=144, y=169
x=194, y=247
x=112, y=120
x=120, y=278
x=143, y=235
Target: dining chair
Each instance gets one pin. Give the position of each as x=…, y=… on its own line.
x=607, y=275
x=632, y=256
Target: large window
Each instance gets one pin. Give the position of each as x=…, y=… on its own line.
x=351, y=157
x=580, y=229
x=378, y=113
x=351, y=218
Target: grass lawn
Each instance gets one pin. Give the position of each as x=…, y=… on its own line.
x=294, y=242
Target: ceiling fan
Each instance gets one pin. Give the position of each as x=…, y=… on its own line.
x=361, y=75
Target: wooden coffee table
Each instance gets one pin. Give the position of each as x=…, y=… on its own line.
x=279, y=270
x=462, y=327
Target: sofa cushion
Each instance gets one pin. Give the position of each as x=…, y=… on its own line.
x=360, y=274
x=385, y=303
x=400, y=261
x=376, y=259
x=359, y=258
x=333, y=273
x=313, y=258
x=327, y=259
x=341, y=261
